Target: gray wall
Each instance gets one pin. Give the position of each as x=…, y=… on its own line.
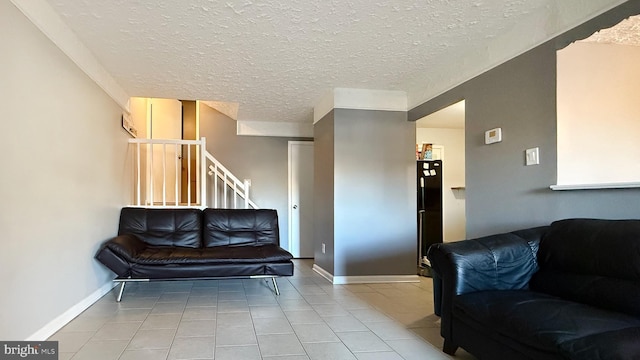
x=502, y=193
x=64, y=179
x=323, y=205
x=264, y=160
x=373, y=192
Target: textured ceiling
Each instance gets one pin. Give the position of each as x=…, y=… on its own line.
x=627, y=32
x=277, y=58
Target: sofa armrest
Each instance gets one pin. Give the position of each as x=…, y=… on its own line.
x=118, y=253
x=497, y=262
x=128, y=246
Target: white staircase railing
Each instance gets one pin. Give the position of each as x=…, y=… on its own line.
x=228, y=188
x=175, y=173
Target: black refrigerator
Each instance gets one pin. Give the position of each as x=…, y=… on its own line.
x=429, y=176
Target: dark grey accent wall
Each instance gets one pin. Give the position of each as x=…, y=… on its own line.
x=262, y=159
x=323, y=209
x=374, y=193
x=520, y=96
x=502, y=193
x=365, y=193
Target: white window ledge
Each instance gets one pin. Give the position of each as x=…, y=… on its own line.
x=618, y=185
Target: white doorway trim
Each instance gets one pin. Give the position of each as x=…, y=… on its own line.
x=295, y=249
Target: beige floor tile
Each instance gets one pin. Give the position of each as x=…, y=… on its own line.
x=315, y=333
x=145, y=354
x=232, y=295
x=174, y=297
x=229, y=306
x=236, y=336
x=328, y=351
x=390, y=330
x=152, y=339
x=168, y=308
x=414, y=349
x=117, y=331
x=157, y=322
x=431, y=335
x=195, y=301
x=363, y=341
x=81, y=324
x=233, y=319
x=250, y=352
x=126, y=315
x=101, y=350
x=345, y=323
x=71, y=342
x=280, y=345
x=379, y=356
x=294, y=304
x=243, y=319
x=325, y=310
x=192, y=348
x=303, y=317
x=272, y=326
x=259, y=312
x=369, y=315
x=198, y=328
x=199, y=313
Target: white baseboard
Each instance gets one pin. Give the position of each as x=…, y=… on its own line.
x=322, y=272
x=369, y=279
x=58, y=323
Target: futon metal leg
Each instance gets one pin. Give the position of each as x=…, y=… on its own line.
x=275, y=285
x=122, y=284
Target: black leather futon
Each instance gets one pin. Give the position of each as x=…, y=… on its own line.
x=162, y=244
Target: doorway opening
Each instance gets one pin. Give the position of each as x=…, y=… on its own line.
x=442, y=136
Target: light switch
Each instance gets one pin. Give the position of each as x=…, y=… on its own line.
x=532, y=156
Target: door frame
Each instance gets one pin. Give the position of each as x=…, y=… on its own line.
x=289, y=187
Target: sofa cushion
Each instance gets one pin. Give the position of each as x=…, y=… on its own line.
x=535, y=319
x=605, y=292
x=593, y=261
x=621, y=344
x=240, y=227
x=163, y=227
x=215, y=255
x=608, y=248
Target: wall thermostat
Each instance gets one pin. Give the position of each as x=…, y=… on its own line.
x=493, y=136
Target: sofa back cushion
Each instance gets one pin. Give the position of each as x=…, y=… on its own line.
x=240, y=227
x=592, y=261
x=163, y=227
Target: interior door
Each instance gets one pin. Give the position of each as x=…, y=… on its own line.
x=166, y=123
x=301, y=199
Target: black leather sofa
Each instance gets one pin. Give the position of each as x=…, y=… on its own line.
x=168, y=244
x=570, y=290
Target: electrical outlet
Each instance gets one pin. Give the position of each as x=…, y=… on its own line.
x=324, y=248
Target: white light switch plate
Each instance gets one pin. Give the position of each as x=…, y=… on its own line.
x=532, y=156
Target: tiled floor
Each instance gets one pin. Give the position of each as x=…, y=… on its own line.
x=243, y=319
